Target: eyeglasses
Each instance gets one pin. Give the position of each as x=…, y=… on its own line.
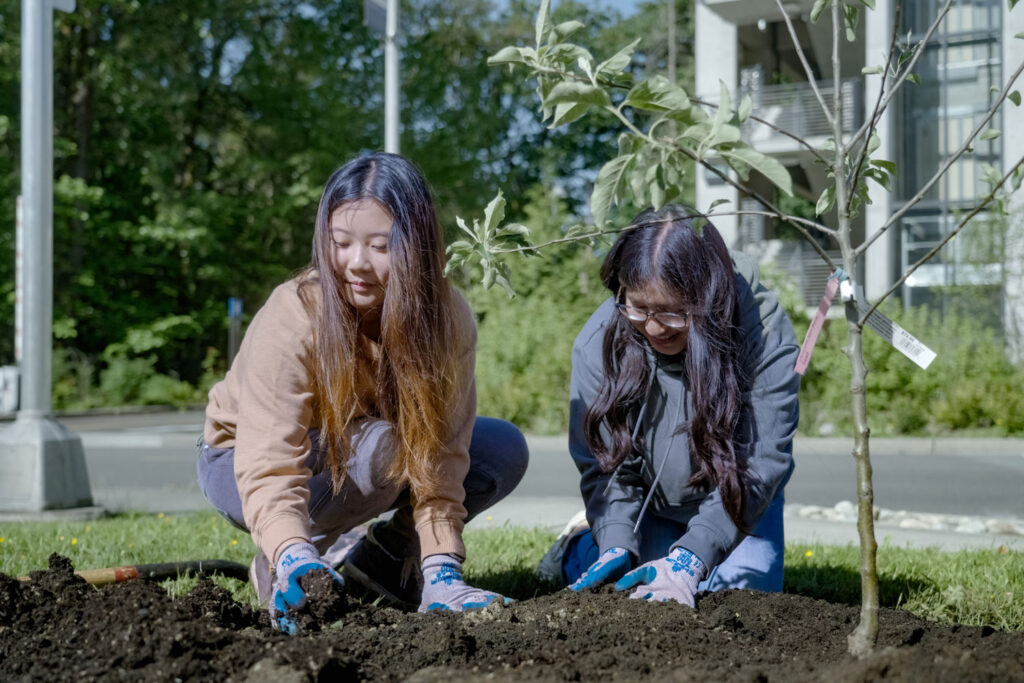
x=640, y=316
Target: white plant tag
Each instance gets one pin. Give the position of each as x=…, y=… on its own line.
x=902, y=341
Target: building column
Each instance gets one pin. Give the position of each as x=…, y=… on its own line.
x=1013, y=150
x=716, y=60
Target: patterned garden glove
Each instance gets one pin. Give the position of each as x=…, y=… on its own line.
x=294, y=562
x=671, y=578
x=444, y=589
x=612, y=564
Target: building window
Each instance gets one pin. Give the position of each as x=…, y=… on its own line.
x=957, y=70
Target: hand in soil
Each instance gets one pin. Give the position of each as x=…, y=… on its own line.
x=671, y=578
x=612, y=564
x=444, y=589
x=295, y=562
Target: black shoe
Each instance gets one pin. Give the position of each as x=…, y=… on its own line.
x=387, y=569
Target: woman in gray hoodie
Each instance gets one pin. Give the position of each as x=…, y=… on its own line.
x=683, y=411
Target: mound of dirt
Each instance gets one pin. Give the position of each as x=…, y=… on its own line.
x=58, y=628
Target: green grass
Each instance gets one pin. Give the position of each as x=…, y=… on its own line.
x=979, y=587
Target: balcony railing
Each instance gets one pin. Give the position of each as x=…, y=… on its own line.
x=794, y=108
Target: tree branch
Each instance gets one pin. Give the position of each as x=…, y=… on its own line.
x=773, y=210
x=796, y=138
x=789, y=218
x=894, y=88
x=876, y=112
x=988, y=199
x=561, y=240
x=803, y=60
x=917, y=198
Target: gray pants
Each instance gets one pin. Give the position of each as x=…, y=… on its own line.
x=497, y=461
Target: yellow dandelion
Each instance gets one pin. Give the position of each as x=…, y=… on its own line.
x=234, y=541
x=74, y=541
x=489, y=518
x=809, y=553
x=159, y=515
x=2, y=539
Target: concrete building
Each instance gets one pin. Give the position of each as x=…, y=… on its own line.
x=747, y=45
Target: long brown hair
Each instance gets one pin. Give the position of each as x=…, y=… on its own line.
x=692, y=261
x=416, y=377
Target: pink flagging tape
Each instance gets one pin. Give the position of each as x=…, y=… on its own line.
x=811, y=339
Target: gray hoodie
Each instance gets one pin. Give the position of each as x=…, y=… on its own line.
x=764, y=436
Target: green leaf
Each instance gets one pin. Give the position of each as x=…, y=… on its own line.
x=886, y=166
x=869, y=70
x=770, y=167
x=567, y=112
x=464, y=227
x=494, y=213
x=868, y=3
x=819, y=7
x=619, y=61
x=629, y=143
x=825, y=201
x=717, y=202
x=657, y=94
x=874, y=142
x=567, y=28
x=574, y=92
x=721, y=132
x=913, y=78
x=607, y=186
x=509, y=55
x=1012, y=3
x=513, y=229
x=1014, y=97
x=991, y=134
x=543, y=21
x=746, y=108
x=1019, y=35
x=850, y=16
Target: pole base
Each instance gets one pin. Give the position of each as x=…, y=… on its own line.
x=42, y=466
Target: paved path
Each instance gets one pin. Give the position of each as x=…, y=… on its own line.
x=952, y=488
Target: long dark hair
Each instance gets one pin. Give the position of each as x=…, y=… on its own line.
x=416, y=378
x=678, y=250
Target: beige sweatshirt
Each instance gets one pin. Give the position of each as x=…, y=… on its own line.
x=264, y=408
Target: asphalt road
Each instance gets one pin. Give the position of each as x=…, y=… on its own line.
x=147, y=462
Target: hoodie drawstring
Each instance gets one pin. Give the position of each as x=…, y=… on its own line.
x=661, y=467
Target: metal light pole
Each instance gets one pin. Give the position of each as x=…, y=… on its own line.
x=392, y=60
x=42, y=465
x=382, y=16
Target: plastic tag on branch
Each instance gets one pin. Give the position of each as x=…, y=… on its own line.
x=831, y=286
x=901, y=340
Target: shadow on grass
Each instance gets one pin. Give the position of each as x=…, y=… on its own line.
x=841, y=585
x=519, y=583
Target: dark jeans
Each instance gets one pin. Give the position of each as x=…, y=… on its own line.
x=497, y=461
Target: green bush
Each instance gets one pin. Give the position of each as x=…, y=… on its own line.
x=524, y=348
x=969, y=386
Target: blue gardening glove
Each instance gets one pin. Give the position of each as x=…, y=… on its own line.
x=612, y=564
x=671, y=578
x=294, y=562
x=444, y=589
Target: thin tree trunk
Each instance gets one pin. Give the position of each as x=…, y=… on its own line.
x=863, y=639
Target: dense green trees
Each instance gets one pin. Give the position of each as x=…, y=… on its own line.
x=191, y=143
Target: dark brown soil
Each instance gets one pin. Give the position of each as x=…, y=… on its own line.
x=57, y=628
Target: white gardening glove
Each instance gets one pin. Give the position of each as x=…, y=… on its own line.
x=671, y=578
x=612, y=564
x=294, y=562
x=444, y=589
